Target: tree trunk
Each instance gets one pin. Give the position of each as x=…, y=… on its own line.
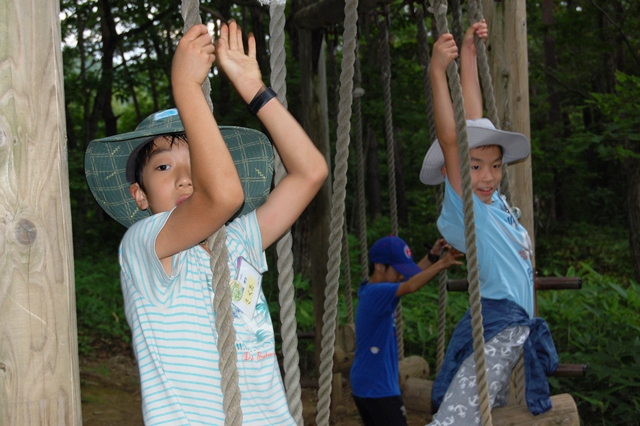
x=311, y=233
x=39, y=374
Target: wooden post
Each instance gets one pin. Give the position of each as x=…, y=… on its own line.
x=39, y=375
x=508, y=61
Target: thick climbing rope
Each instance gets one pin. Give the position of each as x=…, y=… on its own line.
x=358, y=92
x=346, y=265
x=423, y=56
x=439, y=9
x=220, y=270
x=385, y=65
x=291, y=362
x=337, y=211
x=475, y=15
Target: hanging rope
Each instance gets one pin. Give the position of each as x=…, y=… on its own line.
x=424, y=58
x=337, y=211
x=476, y=15
x=346, y=264
x=385, y=64
x=284, y=245
x=358, y=92
x=220, y=270
x=439, y=8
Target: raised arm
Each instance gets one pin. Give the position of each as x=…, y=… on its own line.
x=305, y=165
x=445, y=51
x=419, y=280
x=469, y=70
x=217, y=192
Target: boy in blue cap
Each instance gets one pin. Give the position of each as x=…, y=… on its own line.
x=374, y=373
x=504, y=250
x=174, y=183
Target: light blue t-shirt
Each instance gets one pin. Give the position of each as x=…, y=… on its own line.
x=174, y=336
x=504, y=247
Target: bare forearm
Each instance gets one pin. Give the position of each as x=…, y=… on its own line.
x=470, y=84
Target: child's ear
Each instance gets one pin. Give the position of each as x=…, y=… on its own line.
x=139, y=196
x=443, y=170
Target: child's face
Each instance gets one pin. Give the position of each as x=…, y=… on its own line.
x=166, y=177
x=486, y=171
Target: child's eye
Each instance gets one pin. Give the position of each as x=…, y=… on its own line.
x=474, y=167
x=497, y=166
x=163, y=167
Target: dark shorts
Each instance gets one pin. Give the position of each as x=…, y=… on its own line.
x=387, y=411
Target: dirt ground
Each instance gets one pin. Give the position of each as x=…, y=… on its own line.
x=110, y=395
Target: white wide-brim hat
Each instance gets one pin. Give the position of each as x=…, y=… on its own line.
x=480, y=132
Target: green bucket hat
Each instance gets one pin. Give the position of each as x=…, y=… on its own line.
x=107, y=164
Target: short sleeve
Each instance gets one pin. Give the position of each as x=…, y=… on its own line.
x=451, y=220
x=140, y=266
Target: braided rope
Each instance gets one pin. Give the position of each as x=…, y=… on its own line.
x=385, y=65
x=519, y=376
x=221, y=290
x=425, y=60
x=424, y=57
x=288, y=329
x=337, y=211
x=362, y=208
x=346, y=262
x=440, y=10
x=476, y=15
x=456, y=22
x=442, y=299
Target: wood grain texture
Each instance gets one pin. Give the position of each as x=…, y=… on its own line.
x=508, y=61
x=39, y=377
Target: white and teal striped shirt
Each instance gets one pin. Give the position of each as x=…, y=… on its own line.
x=174, y=337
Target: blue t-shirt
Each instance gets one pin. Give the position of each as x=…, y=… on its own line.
x=374, y=373
x=504, y=247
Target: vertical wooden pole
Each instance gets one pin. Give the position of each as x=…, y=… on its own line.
x=508, y=60
x=39, y=376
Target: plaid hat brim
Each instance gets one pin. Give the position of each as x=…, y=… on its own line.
x=106, y=162
x=515, y=146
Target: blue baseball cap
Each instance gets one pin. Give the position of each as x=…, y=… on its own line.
x=395, y=252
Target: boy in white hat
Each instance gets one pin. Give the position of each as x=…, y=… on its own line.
x=374, y=373
x=177, y=169
x=504, y=249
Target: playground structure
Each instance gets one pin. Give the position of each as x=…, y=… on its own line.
x=39, y=370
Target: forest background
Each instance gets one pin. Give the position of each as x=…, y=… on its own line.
x=584, y=82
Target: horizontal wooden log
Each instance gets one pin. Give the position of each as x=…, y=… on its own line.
x=416, y=394
x=413, y=366
x=325, y=13
x=542, y=283
x=564, y=412
x=571, y=370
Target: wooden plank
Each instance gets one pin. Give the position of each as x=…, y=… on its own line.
x=564, y=412
x=39, y=375
x=541, y=283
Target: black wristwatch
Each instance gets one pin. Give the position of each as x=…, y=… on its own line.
x=433, y=258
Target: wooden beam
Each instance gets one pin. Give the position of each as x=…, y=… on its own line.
x=325, y=13
x=541, y=283
x=39, y=374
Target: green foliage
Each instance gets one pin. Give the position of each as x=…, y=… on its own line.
x=598, y=326
x=102, y=325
